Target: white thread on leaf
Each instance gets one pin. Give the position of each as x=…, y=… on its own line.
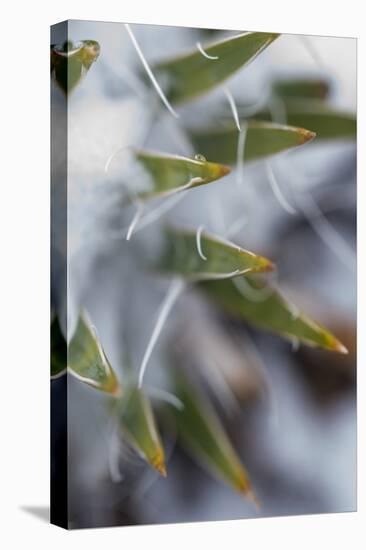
x=240, y=154
x=202, y=51
x=250, y=293
x=191, y=182
x=175, y=289
x=158, y=212
x=149, y=72
x=111, y=157
x=89, y=381
x=218, y=276
x=135, y=220
x=232, y=107
x=198, y=242
x=175, y=196
x=163, y=395
x=277, y=191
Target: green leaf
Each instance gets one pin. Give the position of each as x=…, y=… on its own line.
x=87, y=360
x=181, y=256
x=58, y=350
x=203, y=435
x=191, y=75
x=301, y=88
x=264, y=306
x=138, y=426
x=171, y=173
x=325, y=121
x=262, y=139
x=70, y=62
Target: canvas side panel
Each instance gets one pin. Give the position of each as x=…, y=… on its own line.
x=59, y=447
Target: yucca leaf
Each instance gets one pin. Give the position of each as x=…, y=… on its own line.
x=70, y=62
x=262, y=139
x=315, y=88
x=273, y=312
x=181, y=256
x=204, y=436
x=58, y=350
x=171, y=173
x=87, y=360
x=325, y=121
x=191, y=75
x=137, y=423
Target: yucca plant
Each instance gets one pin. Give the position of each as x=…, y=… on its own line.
x=139, y=185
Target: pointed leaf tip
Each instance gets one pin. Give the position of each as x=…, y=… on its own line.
x=167, y=174
x=198, y=255
x=306, y=135
x=87, y=361
x=262, y=305
x=263, y=138
x=224, y=169
x=204, y=437
x=159, y=464
x=340, y=348
x=138, y=426
x=252, y=497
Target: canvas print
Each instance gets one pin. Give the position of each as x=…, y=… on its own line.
x=203, y=274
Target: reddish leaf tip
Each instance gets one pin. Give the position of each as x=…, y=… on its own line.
x=253, y=498
x=158, y=463
x=161, y=468
x=340, y=348
x=117, y=390
x=306, y=135
x=224, y=170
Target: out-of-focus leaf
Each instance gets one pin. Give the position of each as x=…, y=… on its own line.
x=301, y=88
x=58, y=350
x=171, y=173
x=70, y=62
x=272, y=312
x=87, y=360
x=138, y=426
x=181, y=256
x=191, y=75
x=325, y=121
x=262, y=139
x=203, y=435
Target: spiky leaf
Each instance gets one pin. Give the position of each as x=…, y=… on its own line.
x=262, y=139
x=138, y=426
x=70, y=62
x=181, y=256
x=191, y=75
x=87, y=360
x=167, y=174
x=325, y=121
x=58, y=350
x=203, y=435
x=267, y=308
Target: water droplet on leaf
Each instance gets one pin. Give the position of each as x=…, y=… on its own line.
x=199, y=157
